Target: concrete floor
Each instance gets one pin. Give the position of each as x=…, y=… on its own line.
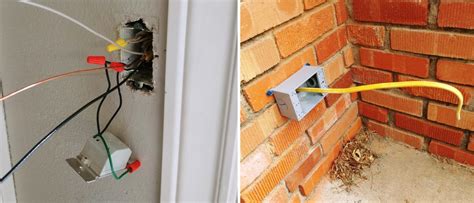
x=403, y=174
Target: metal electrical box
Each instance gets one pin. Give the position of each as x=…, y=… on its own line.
x=296, y=105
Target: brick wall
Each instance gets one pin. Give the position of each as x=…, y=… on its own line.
x=281, y=159
x=416, y=40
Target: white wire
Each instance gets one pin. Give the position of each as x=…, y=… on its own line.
x=78, y=23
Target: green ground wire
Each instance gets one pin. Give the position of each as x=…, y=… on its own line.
x=110, y=159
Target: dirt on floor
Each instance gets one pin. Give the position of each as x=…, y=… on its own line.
x=402, y=174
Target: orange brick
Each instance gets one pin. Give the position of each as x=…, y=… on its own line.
x=348, y=57
x=394, y=101
x=470, y=146
x=303, y=31
x=447, y=115
x=411, y=139
x=309, y=4
x=258, y=57
x=429, y=129
x=387, y=11
x=366, y=35
x=295, y=178
x=287, y=134
x=243, y=114
x=341, y=11
x=334, y=134
x=254, y=165
x=400, y=63
x=342, y=82
x=451, y=152
x=328, y=46
x=373, y=112
x=334, y=68
x=317, y=130
x=259, y=129
x=455, y=71
x=321, y=169
x=438, y=94
x=447, y=44
x=353, y=130
x=255, y=91
x=369, y=76
x=256, y=16
x=264, y=185
x=456, y=14
x=279, y=194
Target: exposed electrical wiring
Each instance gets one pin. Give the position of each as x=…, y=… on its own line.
x=389, y=85
x=28, y=2
x=55, y=77
x=60, y=125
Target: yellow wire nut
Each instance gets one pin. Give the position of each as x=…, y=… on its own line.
x=112, y=47
x=390, y=85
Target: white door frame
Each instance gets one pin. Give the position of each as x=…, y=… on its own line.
x=196, y=32
x=7, y=188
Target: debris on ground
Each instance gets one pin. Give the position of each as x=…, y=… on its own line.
x=353, y=159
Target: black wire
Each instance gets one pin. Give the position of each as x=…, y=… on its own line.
x=64, y=122
x=103, y=99
x=100, y=132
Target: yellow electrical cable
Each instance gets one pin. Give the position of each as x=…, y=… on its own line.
x=389, y=85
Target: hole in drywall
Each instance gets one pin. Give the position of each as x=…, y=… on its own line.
x=140, y=39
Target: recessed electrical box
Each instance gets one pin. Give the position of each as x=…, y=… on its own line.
x=93, y=163
x=296, y=105
x=140, y=39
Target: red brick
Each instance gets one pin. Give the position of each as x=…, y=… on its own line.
x=259, y=129
x=317, y=130
x=295, y=178
x=455, y=71
x=341, y=11
x=342, y=82
x=279, y=194
x=366, y=35
x=256, y=16
x=397, y=12
x=322, y=168
x=456, y=14
x=400, y=63
x=334, y=68
x=402, y=136
x=369, y=76
x=373, y=112
x=429, y=129
x=353, y=130
x=451, y=152
x=394, y=101
x=265, y=184
x=303, y=31
x=287, y=134
x=447, y=44
x=255, y=91
x=447, y=115
x=348, y=57
x=336, y=132
x=254, y=165
x=436, y=93
x=328, y=46
x=258, y=57
x=470, y=146
x=309, y=4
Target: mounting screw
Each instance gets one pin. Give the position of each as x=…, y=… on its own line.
x=269, y=93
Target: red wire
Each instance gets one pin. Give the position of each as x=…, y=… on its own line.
x=51, y=79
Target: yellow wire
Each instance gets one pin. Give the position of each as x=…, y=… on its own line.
x=389, y=85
